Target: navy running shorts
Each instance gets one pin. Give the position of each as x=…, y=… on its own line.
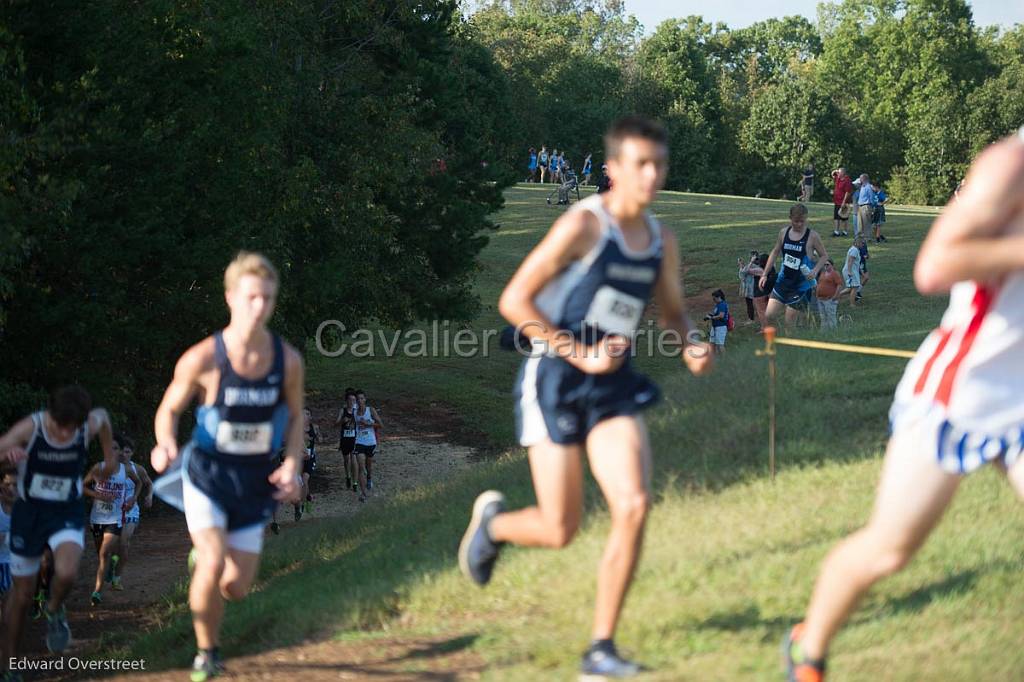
x=556, y=401
x=34, y=523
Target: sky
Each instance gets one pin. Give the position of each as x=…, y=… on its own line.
x=740, y=13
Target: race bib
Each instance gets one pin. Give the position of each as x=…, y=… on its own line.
x=349, y=433
x=790, y=261
x=244, y=439
x=105, y=507
x=51, y=488
x=614, y=311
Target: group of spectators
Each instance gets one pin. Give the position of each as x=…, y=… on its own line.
x=545, y=166
x=863, y=200
x=819, y=295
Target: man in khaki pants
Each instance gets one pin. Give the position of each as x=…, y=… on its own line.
x=865, y=205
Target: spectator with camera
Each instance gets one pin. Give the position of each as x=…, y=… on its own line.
x=719, y=318
x=749, y=273
x=840, y=201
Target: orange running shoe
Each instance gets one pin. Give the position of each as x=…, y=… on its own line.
x=799, y=668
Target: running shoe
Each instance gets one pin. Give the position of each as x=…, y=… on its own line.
x=58, y=634
x=845, y=233
x=362, y=498
x=355, y=487
x=799, y=668
x=477, y=551
x=206, y=666
x=602, y=662
x=298, y=512
x=111, y=565
x=95, y=598
x=116, y=583
x=39, y=604
x=275, y=529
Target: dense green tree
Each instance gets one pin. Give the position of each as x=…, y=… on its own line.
x=148, y=146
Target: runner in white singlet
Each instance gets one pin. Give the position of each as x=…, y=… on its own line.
x=109, y=503
x=133, y=515
x=959, y=405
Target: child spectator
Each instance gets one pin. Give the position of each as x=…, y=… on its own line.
x=749, y=274
x=719, y=320
x=829, y=285
x=864, y=277
x=761, y=295
x=878, y=218
x=852, y=272
x=587, y=169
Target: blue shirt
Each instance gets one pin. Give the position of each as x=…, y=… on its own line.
x=533, y=161
x=866, y=196
x=721, y=307
x=880, y=196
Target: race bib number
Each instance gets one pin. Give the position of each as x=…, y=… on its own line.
x=105, y=507
x=244, y=439
x=790, y=261
x=614, y=311
x=51, y=488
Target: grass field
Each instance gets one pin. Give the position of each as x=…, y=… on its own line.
x=729, y=559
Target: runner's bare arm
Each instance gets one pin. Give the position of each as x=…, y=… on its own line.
x=12, y=443
x=179, y=394
x=771, y=258
x=146, y=493
x=134, y=478
x=968, y=241
x=571, y=237
x=286, y=477
x=99, y=424
x=668, y=295
x=376, y=417
x=817, y=245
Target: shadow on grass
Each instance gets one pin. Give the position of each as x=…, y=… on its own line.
x=386, y=666
x=749, y=618
x=919, y=599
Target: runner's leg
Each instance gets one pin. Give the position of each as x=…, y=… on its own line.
x=620, y=459
x=558, y=482
x=204, y=595
x=912, y=495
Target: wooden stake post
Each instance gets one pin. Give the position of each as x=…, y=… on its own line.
x=769, y=351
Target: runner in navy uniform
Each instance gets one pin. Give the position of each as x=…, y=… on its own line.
x=50, y=449
x=347, y=439
x=799, y=246
x=579, y=296
x=312, y=432
x=250, y=387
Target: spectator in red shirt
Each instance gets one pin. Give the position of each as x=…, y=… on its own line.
x=840, y=198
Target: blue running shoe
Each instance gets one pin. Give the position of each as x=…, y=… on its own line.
x=478, y=552
x=58, y=634
x=602, y=662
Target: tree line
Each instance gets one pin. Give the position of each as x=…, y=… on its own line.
x=363, y=145
x=906, y=90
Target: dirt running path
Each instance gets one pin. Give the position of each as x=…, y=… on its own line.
x=409, y=454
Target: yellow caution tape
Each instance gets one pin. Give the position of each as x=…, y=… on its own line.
x=846, y=348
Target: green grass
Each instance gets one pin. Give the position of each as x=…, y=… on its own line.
x=729, y=559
